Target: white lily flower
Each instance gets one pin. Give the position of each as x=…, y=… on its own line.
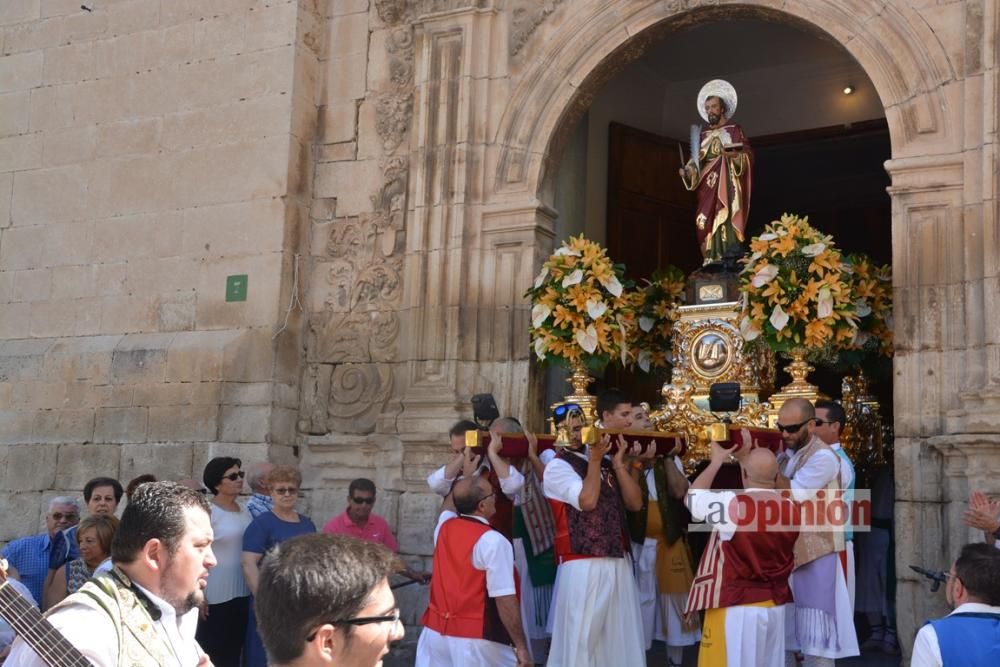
x=612, y=285
x=646, y=324
x=540, y=278
x=596, y=308
x=539, y=314
x=862, y=308
x=587, y=339
x=764, y=275
x=779, y=318
x=770, y=236
x=564, y=251
x=754, y=257
x=747, y=329
x=813, y=249
x=573, y=279
x=540, y=348
x=644, y=360
x=824, y=304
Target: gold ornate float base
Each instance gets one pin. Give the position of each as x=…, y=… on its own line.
x=708, y=348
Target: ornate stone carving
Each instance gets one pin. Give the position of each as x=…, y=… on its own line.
x=393, y=113
x=525, y=17
x=391, y=12
x=357, y=394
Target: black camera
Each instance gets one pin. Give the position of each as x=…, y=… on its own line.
x=484, y=409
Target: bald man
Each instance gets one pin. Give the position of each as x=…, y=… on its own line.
x=820, y=624
x=473, y=617
x=742, y=580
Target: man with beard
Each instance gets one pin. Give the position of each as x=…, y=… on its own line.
x=595, y=615
x=820, y=624
x=145, y=610
x=720, y=172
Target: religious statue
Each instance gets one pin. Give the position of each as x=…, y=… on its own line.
x=719, y=169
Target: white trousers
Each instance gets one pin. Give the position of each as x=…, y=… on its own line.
x=436, y=650
x=754, y=637
x=661, y=613
x=595, y=615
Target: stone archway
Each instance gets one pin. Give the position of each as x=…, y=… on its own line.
x=498, y=85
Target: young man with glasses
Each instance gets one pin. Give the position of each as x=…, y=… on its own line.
x=358, y=521
x=820, y=623
x=32, y=556
x=325, y=600
x=969, y=635
x=473, y=617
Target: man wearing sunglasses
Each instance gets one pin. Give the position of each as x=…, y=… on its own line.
x=820, y=623
x=324, y=600
x=473, y=617
x=358, y=521
x=970, y=635
x=32, y=556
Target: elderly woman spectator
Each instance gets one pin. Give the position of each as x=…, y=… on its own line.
x=268, y=529
x=223, y=623
x=93, y=535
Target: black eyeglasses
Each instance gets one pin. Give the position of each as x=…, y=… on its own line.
x=792, y=428
x=363, y=501
x=362, y=620
x=488, y=496
x=233, y=476
x=826, y=421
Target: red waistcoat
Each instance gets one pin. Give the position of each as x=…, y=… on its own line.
x=751, y=567
x=460, y=605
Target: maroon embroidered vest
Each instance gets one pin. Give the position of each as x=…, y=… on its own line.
x=599, y=533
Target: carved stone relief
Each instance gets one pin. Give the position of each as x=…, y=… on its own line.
x=356, y=330
x=525, y=17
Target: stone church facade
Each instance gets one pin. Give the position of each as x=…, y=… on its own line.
x=381, y=173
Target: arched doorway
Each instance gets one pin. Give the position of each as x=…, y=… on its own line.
x=557, y=62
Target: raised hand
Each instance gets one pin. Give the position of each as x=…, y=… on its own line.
x=470, y=464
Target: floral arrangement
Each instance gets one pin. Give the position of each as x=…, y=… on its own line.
x=797, y=294
x=871, y=291
x=581, y=312
x=656, y=307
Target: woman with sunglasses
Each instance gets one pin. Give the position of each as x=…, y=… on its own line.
x=268, y=529
x=223, y=622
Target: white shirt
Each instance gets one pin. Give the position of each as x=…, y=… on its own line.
x=492, y=553
x=927, y=650
x=715, y=507
x=89, y=628
x=225, y=580
x=821, y=467
x=562, y=482
x=511, y=485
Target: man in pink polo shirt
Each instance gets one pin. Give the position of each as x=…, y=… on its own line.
x=359, y=521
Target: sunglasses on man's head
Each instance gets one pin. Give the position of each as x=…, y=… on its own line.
x=792, y=428
x=233, y=476
x=363, y=501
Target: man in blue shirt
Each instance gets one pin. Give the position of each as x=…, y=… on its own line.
x=31, y=556
x=970, y=635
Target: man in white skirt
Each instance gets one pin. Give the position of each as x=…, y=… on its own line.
x=660, y=548
x=595, y=615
